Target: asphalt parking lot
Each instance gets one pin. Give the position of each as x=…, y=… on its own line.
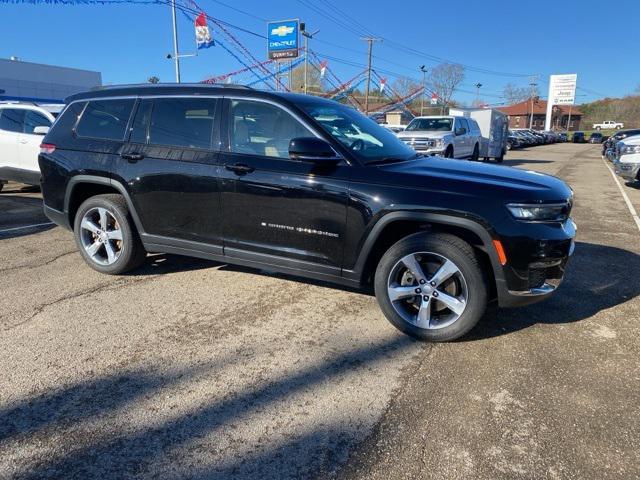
x=193, y=369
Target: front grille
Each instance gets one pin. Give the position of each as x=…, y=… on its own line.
x=422, y=142
x=537, y=277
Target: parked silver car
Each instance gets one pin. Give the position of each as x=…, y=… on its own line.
x=448, y=136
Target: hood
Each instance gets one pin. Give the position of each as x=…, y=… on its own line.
x=423, y=134
x=634, y=140
x=467, y=178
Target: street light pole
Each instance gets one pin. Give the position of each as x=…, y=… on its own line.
x=176, y=57
x=424, y=87
x=478, y=85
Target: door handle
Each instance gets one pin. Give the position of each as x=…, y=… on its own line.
x=240, y=168
x=24, y=140
x=132, y=157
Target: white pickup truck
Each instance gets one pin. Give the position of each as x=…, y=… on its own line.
x=608, y=125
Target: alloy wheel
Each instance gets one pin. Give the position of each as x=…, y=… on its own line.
x=427, y=290
x=101, y=236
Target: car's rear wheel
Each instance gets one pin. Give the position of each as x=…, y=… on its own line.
x=106, y=235
x=431, y=286
x=598, y=128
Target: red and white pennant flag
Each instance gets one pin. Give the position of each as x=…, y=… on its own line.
x=203, y=36
x=323, y=68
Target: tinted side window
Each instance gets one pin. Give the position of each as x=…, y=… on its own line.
x=34, y=119
x=140, y=126
x=105, y=119
x=12, y=119
x=259, y=128
x=182, y=122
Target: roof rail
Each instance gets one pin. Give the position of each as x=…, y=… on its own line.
x=153, y=85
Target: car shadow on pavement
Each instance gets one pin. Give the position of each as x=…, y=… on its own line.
x=515, y=162
x=18, y=211
x=598, y=277
x=87, y=434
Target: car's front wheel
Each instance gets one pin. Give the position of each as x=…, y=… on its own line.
x=106, y=235
x=449, y=152
x=476, y=153
x=431, y=286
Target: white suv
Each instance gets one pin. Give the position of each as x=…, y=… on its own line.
x=22, y=127
x=449, y=136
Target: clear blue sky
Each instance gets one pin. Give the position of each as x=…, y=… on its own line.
x=128, y=43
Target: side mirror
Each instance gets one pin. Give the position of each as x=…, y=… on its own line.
x=41, y=130
x=461, y=131
x=312, y=149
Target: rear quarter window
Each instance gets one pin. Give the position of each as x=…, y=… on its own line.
x=105, y=119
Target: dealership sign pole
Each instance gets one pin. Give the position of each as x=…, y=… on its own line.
x=562, y=91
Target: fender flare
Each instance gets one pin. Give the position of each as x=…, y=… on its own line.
x=434, y=218
x=98, y=180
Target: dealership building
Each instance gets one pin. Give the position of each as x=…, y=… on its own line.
x=36, y=82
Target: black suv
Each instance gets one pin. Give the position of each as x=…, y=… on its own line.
x=305, y=186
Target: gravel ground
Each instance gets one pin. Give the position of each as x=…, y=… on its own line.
x=193, y=369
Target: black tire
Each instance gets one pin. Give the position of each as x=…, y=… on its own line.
x=131, y=252
x=449, y=152
x=476, y=153
x=618, y=127
x=598, y=128
x=1, y=185
x=509, y=147
x=451, y=248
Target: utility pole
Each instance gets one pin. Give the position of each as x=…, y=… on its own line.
x=569, y=119
x=370, y=41
x=306, y=36
x=424, y=87
x=176, y=57
x=533, y=91
x=478, y=85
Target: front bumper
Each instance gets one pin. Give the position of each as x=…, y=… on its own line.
x=627, y=170
x=535, y=267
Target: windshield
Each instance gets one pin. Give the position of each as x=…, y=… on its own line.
x=431, y=124
x=366, y=139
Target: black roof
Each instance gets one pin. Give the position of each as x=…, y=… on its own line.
x=185, y=89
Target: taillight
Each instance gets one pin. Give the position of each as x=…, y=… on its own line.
x=47, y=148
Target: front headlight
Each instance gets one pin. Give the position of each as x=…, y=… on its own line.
x=439, y=143
x=550, y=212
x=630, y=149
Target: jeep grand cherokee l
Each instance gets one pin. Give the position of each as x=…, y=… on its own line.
x=305, y=186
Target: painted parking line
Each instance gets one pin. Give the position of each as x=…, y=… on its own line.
x=632, y=209
x=26, y=227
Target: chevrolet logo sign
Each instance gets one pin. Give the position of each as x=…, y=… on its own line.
x=282, y=31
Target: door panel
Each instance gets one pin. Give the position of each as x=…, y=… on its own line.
x=175, y=188
x=279, y=206
x=11, y=125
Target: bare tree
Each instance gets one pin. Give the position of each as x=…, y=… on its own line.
x=153, y=79
x=513, y=94
x=444, y=79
